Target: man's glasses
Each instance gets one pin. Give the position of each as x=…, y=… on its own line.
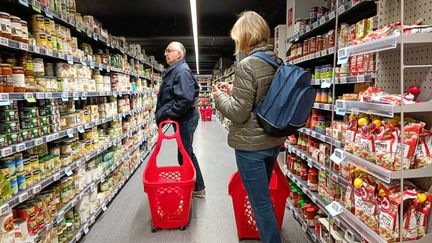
x=169, y=50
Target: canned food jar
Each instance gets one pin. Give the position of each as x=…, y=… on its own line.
x=313, y=14
x=47, y=25
x=41, y=39
x=5, y=25
x=312, y=45
x=24, y=32
x=38, y=22
x=7, y=77
x=16, y=28
x=18, y=79
x=38, y=67
x=29, y=178
x=319, y=43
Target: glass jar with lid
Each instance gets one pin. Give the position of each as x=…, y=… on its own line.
x=38, y=67
x=18, y=79
x=5, y=25
x=16, y=28
x=24, y=32
x=7, y=77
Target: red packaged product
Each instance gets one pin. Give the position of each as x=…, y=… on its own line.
x=411, y=137
x=386, y=146
x=424, y=151
x=366, y=204
x=351, y=133
x=422, y=213
x=369, y=92
x=364, y=145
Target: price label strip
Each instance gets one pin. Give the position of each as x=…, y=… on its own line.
x=343, y=56
x=337, y=157
x=334, y=209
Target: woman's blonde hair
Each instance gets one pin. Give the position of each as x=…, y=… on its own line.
x=249, y=30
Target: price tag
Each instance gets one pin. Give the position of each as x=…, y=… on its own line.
x=56, y=176
x=86, y=230
x=20, y=147
x=323, y=20
x=75, y=96
x=69, y=59
x=343, y=80
x=337, y=157
x=104, y=207
x=49, y=52
x=324, y=53
x=102, y=179
x=38, y=141
x=65, y=96
x=315, y=25
x=314, y=199
x=68, y=171
x=83, y=95
x=304, y=227
x=3, y=41
x=36, y=189
x=70, y=133
x=334, y=209
x=24, y=2
x=36, y=6
x=4, y=208
x=92, y=187
x=360, y=79
x=332, y=15
x=88, y=157
x=337, y=222
x=335, y=178
x=23, y=46
x=49, y=138
x=22, y=197
x=80, y=129
x=100, y=67
x=326, y=84
x=80, y=163
x=108, y=68
x=40, y=96
x=4, y=96
x=308, y=28
x=92, y=64
x=92, y=219
x=48, y=95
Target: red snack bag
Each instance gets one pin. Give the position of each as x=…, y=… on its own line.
x=369, y=92
x=423, y=156
x=364, y=146
x=365, y=201
x=422, y=213
x=385, y=145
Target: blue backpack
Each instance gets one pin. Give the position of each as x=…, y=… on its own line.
x=289, y=100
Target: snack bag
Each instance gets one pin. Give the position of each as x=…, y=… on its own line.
x=365, y=142
x=385, y=146
x=423, y=154
x=367, y=95
x=422, y=213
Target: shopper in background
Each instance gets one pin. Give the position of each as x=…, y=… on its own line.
x=255, y=151
x=177, y=100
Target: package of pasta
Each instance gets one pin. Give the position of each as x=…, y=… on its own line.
x=364, y=146
x=423, y=154
x=423, y=209
x=391, y=203
x=385, y=148
x=365, y=202
x=410, y=136
x=350, y=133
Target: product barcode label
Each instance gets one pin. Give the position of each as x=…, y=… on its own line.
x=65, y=96
x=334, y=209
x=68, y=171
x=104, y=207
x=56, y=176
x=49, y=52
x=24, y=2
x=315, y=25
x=80, y=129
x=23, y=46
x=69, y=59
x=360, y=79
x=337, y=157
x=323, y=20
x=4, y=208
x=48, y=13
x=332, y=15
x=86, y=230
x=22, y=197
x=20, y=147
x=308, y=28
x=343, y=80
x=4, y=96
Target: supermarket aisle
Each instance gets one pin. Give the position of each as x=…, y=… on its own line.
x=128, y=217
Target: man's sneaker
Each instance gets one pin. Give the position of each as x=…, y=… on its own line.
x=199, y=194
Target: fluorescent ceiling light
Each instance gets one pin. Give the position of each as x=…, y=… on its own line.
x=195, y=31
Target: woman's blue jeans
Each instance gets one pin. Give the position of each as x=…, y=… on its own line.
x=255, y=169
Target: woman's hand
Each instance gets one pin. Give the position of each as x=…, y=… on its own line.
x=216, y=91
x=226, y=87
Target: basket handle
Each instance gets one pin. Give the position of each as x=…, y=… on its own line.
x=162, y=135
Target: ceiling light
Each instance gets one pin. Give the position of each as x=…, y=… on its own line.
x=195, y=31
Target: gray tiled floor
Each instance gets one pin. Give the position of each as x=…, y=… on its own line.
x=128, y=217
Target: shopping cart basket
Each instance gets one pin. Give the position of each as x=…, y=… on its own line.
x=169, y=188
x=245, y=219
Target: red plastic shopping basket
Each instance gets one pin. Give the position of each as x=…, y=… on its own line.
x=245, y=219
x=169, y=188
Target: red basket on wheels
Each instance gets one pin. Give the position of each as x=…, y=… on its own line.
x=245, y=219
x=208, y=113
x=169, y=188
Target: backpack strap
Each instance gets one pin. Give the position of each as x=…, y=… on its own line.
x=267, y=58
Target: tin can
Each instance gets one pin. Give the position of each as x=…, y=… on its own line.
x=14, y=184
x=28, y=178
x=21, y=178
x=38, y=23
x=27, y=164
x=312, y=45
x=19, y=163
x=8, y=167
x=41, y=39
x=319, y=43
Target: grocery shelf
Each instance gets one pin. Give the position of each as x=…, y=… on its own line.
x=320, y=106
x=15, y=45
x=322, y=137
x=385, y=110
x=224, y=76
x=312, y=163
x=15, y=148
x=58, y=95
x=314, y=57
x=309, y=230
x=66, y=170
x=34, y=6
x=348, y=12
x=336, y=235
x=84, y=229
x=365, y=78
x=377, y=171
x=345, y=216
x=383, y=44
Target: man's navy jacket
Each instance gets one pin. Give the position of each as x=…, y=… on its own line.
x=177, y=93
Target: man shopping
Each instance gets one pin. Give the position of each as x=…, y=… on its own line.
x=177, y=101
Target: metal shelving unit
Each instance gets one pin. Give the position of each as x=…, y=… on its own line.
x=327, y=82
x=323, y=138
x=309, y=230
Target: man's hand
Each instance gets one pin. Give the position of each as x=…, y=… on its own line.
x=226, y=87
x=216, y=91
